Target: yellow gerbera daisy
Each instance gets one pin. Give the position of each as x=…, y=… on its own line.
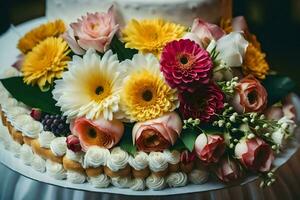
x=46, y=62
x=150, y=36
x=255, y=62
x=145, y=94
x=38, y=34
x=91, y=87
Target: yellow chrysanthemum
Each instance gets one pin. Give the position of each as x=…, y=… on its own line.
x=145, y=94
x=150, y=36
x=38, y=34
x=46, y=62
x=255, y=62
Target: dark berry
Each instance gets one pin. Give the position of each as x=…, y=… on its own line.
x=36, y=114
x=56, y=124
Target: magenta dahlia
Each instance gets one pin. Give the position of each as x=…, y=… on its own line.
x=185, y=65
x=203, y=103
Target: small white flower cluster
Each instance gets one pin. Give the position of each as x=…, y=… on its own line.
x=190, y=122
x=228, y=86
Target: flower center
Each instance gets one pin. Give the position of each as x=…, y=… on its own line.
x=99, y=90
x=184, y=60
x=252, y=96
x=92, y=133
x=147, y=95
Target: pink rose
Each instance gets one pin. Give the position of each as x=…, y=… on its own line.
x=100, y=132
x=202, y=31
x=228, y=170
x=250, y=96
x=209, y=148
x=157, y=134
x=254, y=154
x=73, y=143
x=92, y=31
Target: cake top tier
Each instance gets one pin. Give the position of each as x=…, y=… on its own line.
x=180, y=11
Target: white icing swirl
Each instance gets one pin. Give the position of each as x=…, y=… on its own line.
x=118, y=159
x=157, y=161
x=122, y=182
x=74, y=156
x=75, y=177
x=26, y=154
x=172, y=157
x=177, y=179
x=13, y=112
x=45, y=138
x=138, y=184
x=15, y=148
x=198, y=176
x=155, y=183
x=140, y=161
x=21, y=121
x=101, y=181
x=95, y=157
x=4, y=95
x=10, y=102
x=55, y=170
x=32, y=129
x=59, y=146
x=39, y=164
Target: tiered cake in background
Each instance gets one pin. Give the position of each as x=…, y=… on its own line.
x=145, y=94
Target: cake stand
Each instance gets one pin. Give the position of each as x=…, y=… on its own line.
x=22, y=182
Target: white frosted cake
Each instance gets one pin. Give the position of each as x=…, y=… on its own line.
x=180, y=11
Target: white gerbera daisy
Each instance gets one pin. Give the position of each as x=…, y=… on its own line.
x=91, y=86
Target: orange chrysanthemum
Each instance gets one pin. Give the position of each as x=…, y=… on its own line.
x=255, y=62
x=38, y=34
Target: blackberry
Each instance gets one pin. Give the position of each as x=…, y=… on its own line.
x=57, y=124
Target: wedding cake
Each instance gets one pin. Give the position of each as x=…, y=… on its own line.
x=180, y=11
x=145, y=94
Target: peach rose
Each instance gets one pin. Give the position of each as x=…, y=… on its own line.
x=254, y=154
x=157, y=134
x=92, y=31
x=209, y=148
x=250, y=96
x=100, y=132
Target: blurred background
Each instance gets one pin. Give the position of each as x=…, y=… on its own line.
x=275, y=22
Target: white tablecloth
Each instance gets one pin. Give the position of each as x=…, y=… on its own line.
x=16, y=187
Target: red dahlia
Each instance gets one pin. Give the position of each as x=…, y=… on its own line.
x=185, y=65
x=203, y=103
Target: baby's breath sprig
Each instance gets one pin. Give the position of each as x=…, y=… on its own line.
x=188, y=123
x=228, y=86
x=268, y=178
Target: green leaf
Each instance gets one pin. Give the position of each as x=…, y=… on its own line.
x=119, y=48
x=278, y=87
x=126, y=143
x=188, y=137
x=179, y=146
x=31, y=96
